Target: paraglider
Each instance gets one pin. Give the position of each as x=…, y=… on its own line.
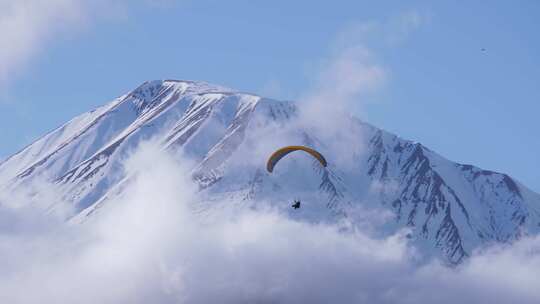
x=280, y=153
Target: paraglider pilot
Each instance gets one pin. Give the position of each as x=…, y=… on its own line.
x=296, y=204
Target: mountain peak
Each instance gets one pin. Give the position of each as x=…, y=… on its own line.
x=150, y=89
x=147, y=95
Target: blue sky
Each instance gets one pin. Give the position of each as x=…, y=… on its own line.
x=463, y=79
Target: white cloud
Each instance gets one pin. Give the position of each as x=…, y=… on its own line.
x=27, y=27
x=344, y=80
x=148, y=246
x=348, y=76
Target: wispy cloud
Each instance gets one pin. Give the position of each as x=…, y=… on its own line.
x=28, y=27
x=384, y=33
x=405, y=24
x=349, y=75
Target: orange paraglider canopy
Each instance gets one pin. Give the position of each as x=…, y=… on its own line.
x=280, y=153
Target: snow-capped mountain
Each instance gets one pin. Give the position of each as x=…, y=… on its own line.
x=450, y=208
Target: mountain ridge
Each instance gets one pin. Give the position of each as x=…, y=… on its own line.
x=452, y=208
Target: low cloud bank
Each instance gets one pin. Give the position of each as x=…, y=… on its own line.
x=147, y=246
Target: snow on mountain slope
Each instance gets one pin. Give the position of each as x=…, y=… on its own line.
x=450, y=208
